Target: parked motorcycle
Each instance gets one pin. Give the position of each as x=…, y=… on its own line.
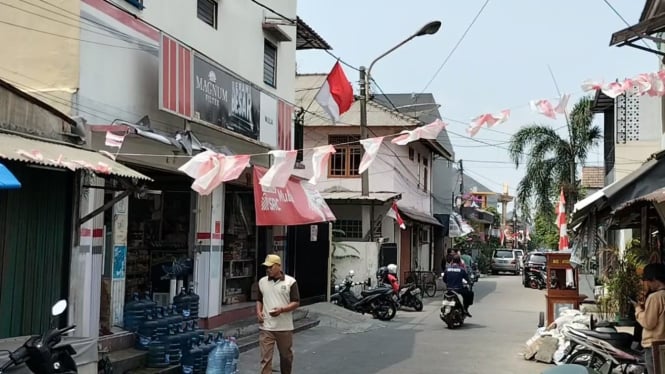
x=41, y=354
x=604, y=351
x=377, y=301
x=452, y=309
x=411, y=296
x=537, y=279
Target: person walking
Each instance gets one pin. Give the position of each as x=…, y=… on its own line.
x=651, y=314
x=278, y=298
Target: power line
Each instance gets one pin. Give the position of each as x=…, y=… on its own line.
x=624, y=20
x=452, y=51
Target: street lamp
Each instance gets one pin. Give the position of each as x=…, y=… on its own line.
x=428, y=29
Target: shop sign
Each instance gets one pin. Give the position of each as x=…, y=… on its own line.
x=223, y=100
x=298, y=203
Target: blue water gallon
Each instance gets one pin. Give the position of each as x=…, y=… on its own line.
x=162, y=329
x=217, y=358
x=149, y=302
x=158, y=356
x=181, y=301
x=232, y=363
x=174, y=346
x=133, y=314
x=193, y=303
x=197, y=353
x=207, y=346
x=146, y=331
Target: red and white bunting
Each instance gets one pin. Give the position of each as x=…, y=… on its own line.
x=561, y=222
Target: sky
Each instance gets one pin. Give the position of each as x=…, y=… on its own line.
x=502, y=63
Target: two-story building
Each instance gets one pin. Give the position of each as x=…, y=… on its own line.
x=172, y=79
x=402, y=173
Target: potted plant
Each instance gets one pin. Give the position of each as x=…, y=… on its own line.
x=623, y=284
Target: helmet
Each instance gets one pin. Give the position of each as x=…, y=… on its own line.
x=382, y=272
x=392, y=269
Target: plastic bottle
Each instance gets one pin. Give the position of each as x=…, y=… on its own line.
x=158, y=356
x=232, y=363
x=149, y=302
x=216, y=359
x=187, y=360
x=197, y=352
x=174, y=346
x=146, y=332
x=181, y=301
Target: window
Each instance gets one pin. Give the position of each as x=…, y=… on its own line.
x=411, y=154
x=269, y=64
x=348, y=228
x=345, y=162
x=136, y=3
x=206, y=11
x=425, y=175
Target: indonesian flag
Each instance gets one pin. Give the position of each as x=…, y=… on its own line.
x=113, y=140
x=561, y=222
x=394, y=214
x=371, y=146
x=210, y=169
x=502, y=236
x=280, y=172
x=336, y=93
x=430, y=131
x=320, y=162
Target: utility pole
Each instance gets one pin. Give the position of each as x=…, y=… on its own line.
x=364, y=90
x=461, y=185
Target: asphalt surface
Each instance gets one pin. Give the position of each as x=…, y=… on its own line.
x=505, y=315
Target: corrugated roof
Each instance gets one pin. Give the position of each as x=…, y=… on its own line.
x=354, y=195
x=19, y=148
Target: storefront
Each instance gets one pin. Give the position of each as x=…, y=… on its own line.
x=158, y=234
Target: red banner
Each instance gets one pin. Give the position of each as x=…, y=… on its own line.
x=298, y=203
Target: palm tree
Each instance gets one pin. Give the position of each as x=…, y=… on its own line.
x=551, y=161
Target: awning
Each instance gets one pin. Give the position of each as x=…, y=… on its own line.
x=419, y=216
x=7, y=180
x=354, y=197
x=33, y=151
x=625, y=189
x=652, y=21
x=477, y=215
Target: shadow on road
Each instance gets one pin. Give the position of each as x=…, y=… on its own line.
x=466, y=326
x=483, y=287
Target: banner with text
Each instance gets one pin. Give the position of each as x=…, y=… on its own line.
x=224, y=100
x=299, y=203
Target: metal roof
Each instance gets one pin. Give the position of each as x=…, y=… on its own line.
x=307, y=38
x=60, y=155
x=381, y=197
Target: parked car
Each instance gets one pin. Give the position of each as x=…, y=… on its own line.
x=533, y=261
x=505, y=260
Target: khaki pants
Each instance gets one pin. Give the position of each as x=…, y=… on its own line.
x=284, y=341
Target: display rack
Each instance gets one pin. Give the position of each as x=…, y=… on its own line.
x=562, y=285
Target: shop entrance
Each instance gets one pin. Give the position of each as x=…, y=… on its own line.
x=159, y=233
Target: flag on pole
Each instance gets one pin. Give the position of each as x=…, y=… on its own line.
x=393, y=213
x=561, y=222
x=113, y=140
x=336, y=94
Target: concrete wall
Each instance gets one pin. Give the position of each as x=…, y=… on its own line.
x=364, y=266
x=41, y=49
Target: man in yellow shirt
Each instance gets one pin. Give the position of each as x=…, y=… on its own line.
x=651, y=314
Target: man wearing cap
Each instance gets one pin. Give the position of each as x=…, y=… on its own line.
x=278, y=298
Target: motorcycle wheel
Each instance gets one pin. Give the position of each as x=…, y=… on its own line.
x=387, y=311
x=418, y=305
x=586, y=358
x=534, y=284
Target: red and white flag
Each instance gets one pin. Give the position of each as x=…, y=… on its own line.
x=371, y=146
x=113, y=140
x=394, y=214
x=430, y=131
x=279, y=173
x=502, y=236
x=336, y=93
x=210, y=169
x=561, y=222
x=320, y=162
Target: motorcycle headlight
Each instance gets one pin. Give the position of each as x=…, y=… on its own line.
x=337, y=288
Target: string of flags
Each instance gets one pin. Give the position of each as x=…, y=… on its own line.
x=209, y=169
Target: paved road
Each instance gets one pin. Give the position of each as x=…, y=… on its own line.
x=505, y=315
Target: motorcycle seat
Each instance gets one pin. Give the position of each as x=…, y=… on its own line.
x=375, y=291
x=621, y=340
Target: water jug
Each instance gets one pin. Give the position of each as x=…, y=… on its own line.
x=181, y=301
x=162, y=328
x=199, y=331
x=175, y=317
x=158, y=354
x=174, y=346
x=187, y=360
x=149, y=302
x=197, y=353
x=146, y=332
x=207, y=346
x=133, y=313
x=232, y=361
x=193, y=303
x=216, y=359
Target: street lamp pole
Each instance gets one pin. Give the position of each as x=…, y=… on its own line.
x=428, y=29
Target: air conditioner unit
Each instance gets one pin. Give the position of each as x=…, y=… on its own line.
x=424, y=235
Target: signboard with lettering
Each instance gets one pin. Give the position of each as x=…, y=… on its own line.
x=224, y=100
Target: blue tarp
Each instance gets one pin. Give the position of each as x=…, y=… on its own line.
x=7, y=180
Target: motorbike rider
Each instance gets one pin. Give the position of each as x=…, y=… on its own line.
x=454, y=278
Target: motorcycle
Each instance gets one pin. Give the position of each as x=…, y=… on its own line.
x=41, y=354
x=536, y=279
x=604, y=351
x=411, y=296
x=377, y=301
x=452, y=309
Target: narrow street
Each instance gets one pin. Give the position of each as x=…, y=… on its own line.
x=505, y=315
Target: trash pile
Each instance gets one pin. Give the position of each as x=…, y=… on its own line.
x=548, y=343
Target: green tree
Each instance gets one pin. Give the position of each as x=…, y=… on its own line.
x=551, y=160
x=547, y=234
